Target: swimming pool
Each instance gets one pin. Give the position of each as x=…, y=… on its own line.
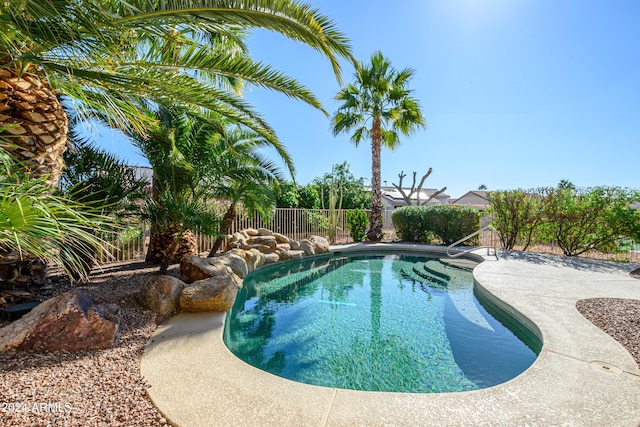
x=378, y=321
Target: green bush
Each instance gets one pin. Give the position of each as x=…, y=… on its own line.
x=435, y=224
x=451, y=223
x=357, y=221
x=407, y=221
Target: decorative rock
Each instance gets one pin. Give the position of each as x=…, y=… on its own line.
x=295, y=245
x=239, y=237
x=234, y=261
x=268, y=241
x=283, y=246
x=194, y=268
x=281, y=238
x=254, y=259
x=307, y=247
x=287, y=255
x=214, y=294
x=264, y=232
x=250, y=232
x=161, y=294
x=262, y=248
x=69, y=322
x=320, y=244
x=271, y=258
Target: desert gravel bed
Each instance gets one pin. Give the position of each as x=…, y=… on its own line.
x=105, y=388
x=619, y=318
x=94, y=388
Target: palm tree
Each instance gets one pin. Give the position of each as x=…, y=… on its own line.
x=35, y=224
x=180, y=158
x=245, y=177
x=110, y=56
x=379, y=107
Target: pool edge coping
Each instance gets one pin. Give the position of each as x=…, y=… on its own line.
x=191, y=405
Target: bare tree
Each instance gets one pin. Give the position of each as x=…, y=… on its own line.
x=418, y=190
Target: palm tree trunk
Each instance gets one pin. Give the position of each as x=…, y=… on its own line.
x=227, y=221
x=37, y=124
x=375, y=233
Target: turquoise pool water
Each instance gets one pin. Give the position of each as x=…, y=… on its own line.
x=378, y=322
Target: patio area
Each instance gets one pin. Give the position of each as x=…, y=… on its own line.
x=582, y=376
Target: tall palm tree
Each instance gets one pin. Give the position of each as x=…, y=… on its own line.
x=35, y=224
x=379, y=107
x=109, y=56
x=244, y=177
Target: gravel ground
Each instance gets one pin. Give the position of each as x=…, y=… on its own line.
x=104, y=388
x=619, y=318
x=93, y=388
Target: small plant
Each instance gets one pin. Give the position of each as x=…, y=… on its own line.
x=357, y=220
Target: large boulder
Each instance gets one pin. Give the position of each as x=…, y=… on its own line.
x=308, y=247
x=69, y=322
x=217, y=293
x=268, y=242
x=252, y=257
x=161, y=294
x=233, y=260
x=271, y=258
x=287, y=255
x=320, y=244
x=193, y=268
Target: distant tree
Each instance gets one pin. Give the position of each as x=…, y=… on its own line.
x=565, y=184
x=482, y=187
x=354, y=194
x=407, y=197
x=291, y=195
x=377, y=107
x=308, y=197
x=287, y=195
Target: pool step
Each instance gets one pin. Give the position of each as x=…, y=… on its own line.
x=420, y=270
x=437, y=269
x=462, y=264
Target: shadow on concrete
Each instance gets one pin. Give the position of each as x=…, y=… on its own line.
x=581, y=264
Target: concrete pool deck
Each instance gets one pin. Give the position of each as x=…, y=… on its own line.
x=582, y=377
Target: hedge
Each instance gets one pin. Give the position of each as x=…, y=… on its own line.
x=435, y=224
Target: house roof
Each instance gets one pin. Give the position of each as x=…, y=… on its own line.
x=394, y=196
x=474, y=198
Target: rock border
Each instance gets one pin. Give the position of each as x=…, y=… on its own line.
x=212, y=284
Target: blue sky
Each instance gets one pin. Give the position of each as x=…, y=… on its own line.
x=517, y=93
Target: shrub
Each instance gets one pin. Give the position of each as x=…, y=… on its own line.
x=579, y=220
x=517, y=214
x=357, y=222
x=426, y=223
x=407, y=222
x=451, y=223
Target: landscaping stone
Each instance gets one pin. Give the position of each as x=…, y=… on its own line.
x=270, y=258
x=264, y=232
x=268, y=241
x=214, y=294
x=236, y=262
x=287, y=255
x=281, y=238
x=320, y=244
x=69, y=322
x=307, y=246
x=161, y=294
x=193, y=268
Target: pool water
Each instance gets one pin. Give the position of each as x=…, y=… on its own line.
x=385, y=322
